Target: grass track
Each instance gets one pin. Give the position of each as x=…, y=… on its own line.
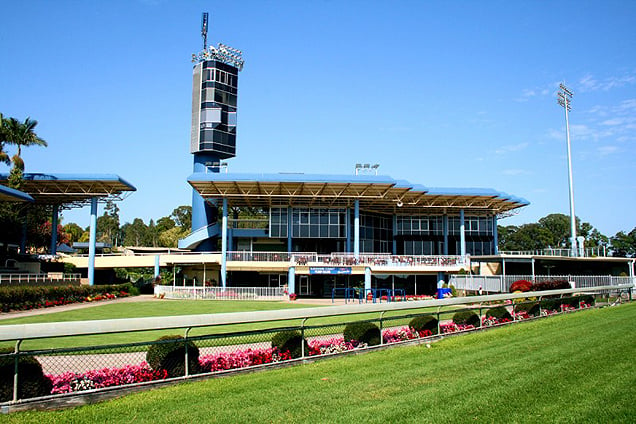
x=572, y=368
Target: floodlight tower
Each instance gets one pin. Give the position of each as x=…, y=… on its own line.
x=213, y=131
x=564, y=99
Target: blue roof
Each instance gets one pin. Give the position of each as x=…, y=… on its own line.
x=36, y=176
x=200, y=180
x=9, y=194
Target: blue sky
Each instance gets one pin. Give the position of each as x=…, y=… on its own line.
x=440, y=93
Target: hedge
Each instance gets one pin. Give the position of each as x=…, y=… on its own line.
x=19, y=298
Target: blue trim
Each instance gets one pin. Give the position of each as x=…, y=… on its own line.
x=91, y=243
x=73, y=177
x=9, y=194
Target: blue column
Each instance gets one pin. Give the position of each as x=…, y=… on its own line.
x=495, y=236
x=367, y=279
x=462, y=233
x=91, y=242
x=289, y=230
x=445, y=232
x=157, y=265
x=356, y=228
x=291, y=280
x=230, y=239
x=394, y=249
x=204, y=214
x=54, y=219
x=224, y=245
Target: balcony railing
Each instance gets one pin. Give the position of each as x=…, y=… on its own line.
x=590, y=252
x=38, y=279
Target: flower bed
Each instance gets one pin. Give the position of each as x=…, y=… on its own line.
x=23, y=298
x=241, y=359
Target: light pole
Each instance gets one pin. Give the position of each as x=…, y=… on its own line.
x=564, y=99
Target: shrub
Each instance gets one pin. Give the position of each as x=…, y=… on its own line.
x=531, y=308
x=521, y=285
x=587, y=298
x=290, y=341
x=362, y=332
x=500, y=312
x=551, y=285
x=553, y=304
x=31, y=380
x=466, y=318
x=424, y=322
x=169, y=354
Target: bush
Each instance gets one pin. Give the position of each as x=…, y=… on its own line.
x=531, y=308
x=31, y=380
x=466, y=318
x=500, y=312
x=521, y=285
x=169, y=354
x=553, y=304
x=424, y=322
x=551, y=285
x=362, y=332
x=290, y=341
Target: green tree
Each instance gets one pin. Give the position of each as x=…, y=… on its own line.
x=624, y=245
x=4, y=156
x=108, y=230
x=74, y=232
x=135, y=233
x=182, y=216
x=21, y=134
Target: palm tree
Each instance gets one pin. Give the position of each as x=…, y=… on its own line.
x=4, y=157
x=21, y=134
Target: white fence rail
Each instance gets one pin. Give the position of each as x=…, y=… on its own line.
x=501, y=284
x=25, y=279
x=218, y=293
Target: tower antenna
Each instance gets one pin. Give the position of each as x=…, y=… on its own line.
x=204, y=30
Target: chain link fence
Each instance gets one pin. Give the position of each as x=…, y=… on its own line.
x=41, y=362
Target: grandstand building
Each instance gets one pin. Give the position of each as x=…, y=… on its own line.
x=316, y=232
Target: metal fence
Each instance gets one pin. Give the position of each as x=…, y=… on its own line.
x=51, y=279
x=219, y=293
x=84, y=360
x=501, y=283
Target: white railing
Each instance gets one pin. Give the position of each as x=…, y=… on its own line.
x=589, y=252
x=348, y=259
x=501, y=284
x=218, y=293
x=38, y=279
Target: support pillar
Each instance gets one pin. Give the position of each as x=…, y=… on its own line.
x=356, y=228
x=23, y=236
x=224, y=245
x=157, y=265
x=532, y=262
x=54, y=220
x=462, y=233
x=291, y=280
x=91, y=242
x=367, y=279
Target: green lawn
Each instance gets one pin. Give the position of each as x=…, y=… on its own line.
x=570, y=368
x=166, y=308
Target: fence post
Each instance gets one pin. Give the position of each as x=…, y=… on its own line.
x=185, y=344
x=302, y=338
x=15, y=370
x=439, y=327
x=381, y=337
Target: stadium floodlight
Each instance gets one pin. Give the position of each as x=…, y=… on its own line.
x=564, y=98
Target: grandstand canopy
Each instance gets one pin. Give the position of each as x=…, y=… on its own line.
x=377, y=193
x=72, y=189
x=8, y=194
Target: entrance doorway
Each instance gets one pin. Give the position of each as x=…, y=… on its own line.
x=303, y=285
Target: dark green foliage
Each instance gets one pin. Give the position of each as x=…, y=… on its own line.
x=551, y=285
x=553, y=303
x=290, y=341
x=587, y=298
x=500, y=312
x=466, y=318
x=31, y=380
x=362, y=332
x=532, y=308
x=424, y=322
x=169, y=354
x=31, y=297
